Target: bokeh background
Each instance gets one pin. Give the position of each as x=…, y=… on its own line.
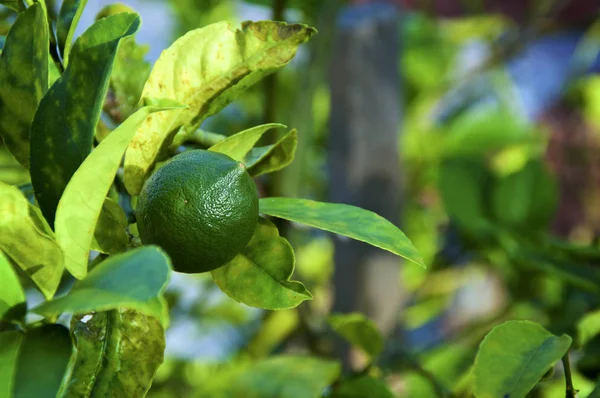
x=473, y=125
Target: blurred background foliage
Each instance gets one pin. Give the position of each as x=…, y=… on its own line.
x=503, y=206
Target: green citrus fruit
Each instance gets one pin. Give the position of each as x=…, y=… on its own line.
x=201, y=207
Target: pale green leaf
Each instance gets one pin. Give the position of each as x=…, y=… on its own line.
x=23, y=78
x=206, y=69
x=12, y=298
x=63, y=128
x=68, y=18
x=346, y=220
x=128, y=77
x=513, y=357
x=131, y=280
x=33, y=364
x=360, y=331
x=277, y=377
x=260, y=275
x=270, y=158
x=238, y=145
x=84, y=196
x=588, y=327
x=123, y=367
x=33, y=250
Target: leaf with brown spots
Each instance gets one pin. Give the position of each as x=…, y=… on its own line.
x=206, y=69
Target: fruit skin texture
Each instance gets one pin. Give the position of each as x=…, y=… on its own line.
x=201, y=207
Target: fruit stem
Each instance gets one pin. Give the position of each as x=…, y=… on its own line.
x=201, y=137
x=571, y=392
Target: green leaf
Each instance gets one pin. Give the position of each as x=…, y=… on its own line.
x=63, y=128
x=588, y=327
x=68, y=18
x=33, y=364
x=129, y=76
x=260, y=275
x=513, y=357
x=364, y=386
x=279, y=377
x=23, y=78
x=346, y=220
x=83, y=198
x=527, y=198
x=12, y=298
x=110, y=236
x=270, y=158
x=225, y=63
x=462, y=183
x=30, y=247
x=359, y=331
x=117, y=353
x=131, y=280
x=238, y=145
x=16, y=5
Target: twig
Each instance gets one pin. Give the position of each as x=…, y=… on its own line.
x=570, y=391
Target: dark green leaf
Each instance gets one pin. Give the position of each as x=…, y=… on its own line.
x=129, y=75
x=238, y=145
x=513, y=357
x=270, y=158
x=63, y=128
x=359, y=331
x=117, y=353
x=12, y=298
x=33, y=364
x=226, y=62
x=16, y=5
x=462, y=183
x=28, y=245
x=83, y=198
x=23, y=78
x=527, y=198
x=364, y=386
x=342, y=219
x=260, y=275
x=110, y=236
x=68, y=18
x=134, y=279
x=278, y=377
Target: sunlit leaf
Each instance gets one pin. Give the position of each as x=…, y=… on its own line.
x=351, y=221
x=63, y=128
x=84, y=196
x=206, y=69
x=364, y=386
x=238, y=145
x=279, y=377
x=260, y=275
x=110, y=236
x=360, y=331
x=513, y=357
x=588, y=327
x=33, y=250
x=117, y=353
x=68, y=18
x=33, y=364
x=23, y=78
x=270, y=158
x=131, y=280
x=12, y=298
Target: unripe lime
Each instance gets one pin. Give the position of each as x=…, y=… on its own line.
x=201, y=207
